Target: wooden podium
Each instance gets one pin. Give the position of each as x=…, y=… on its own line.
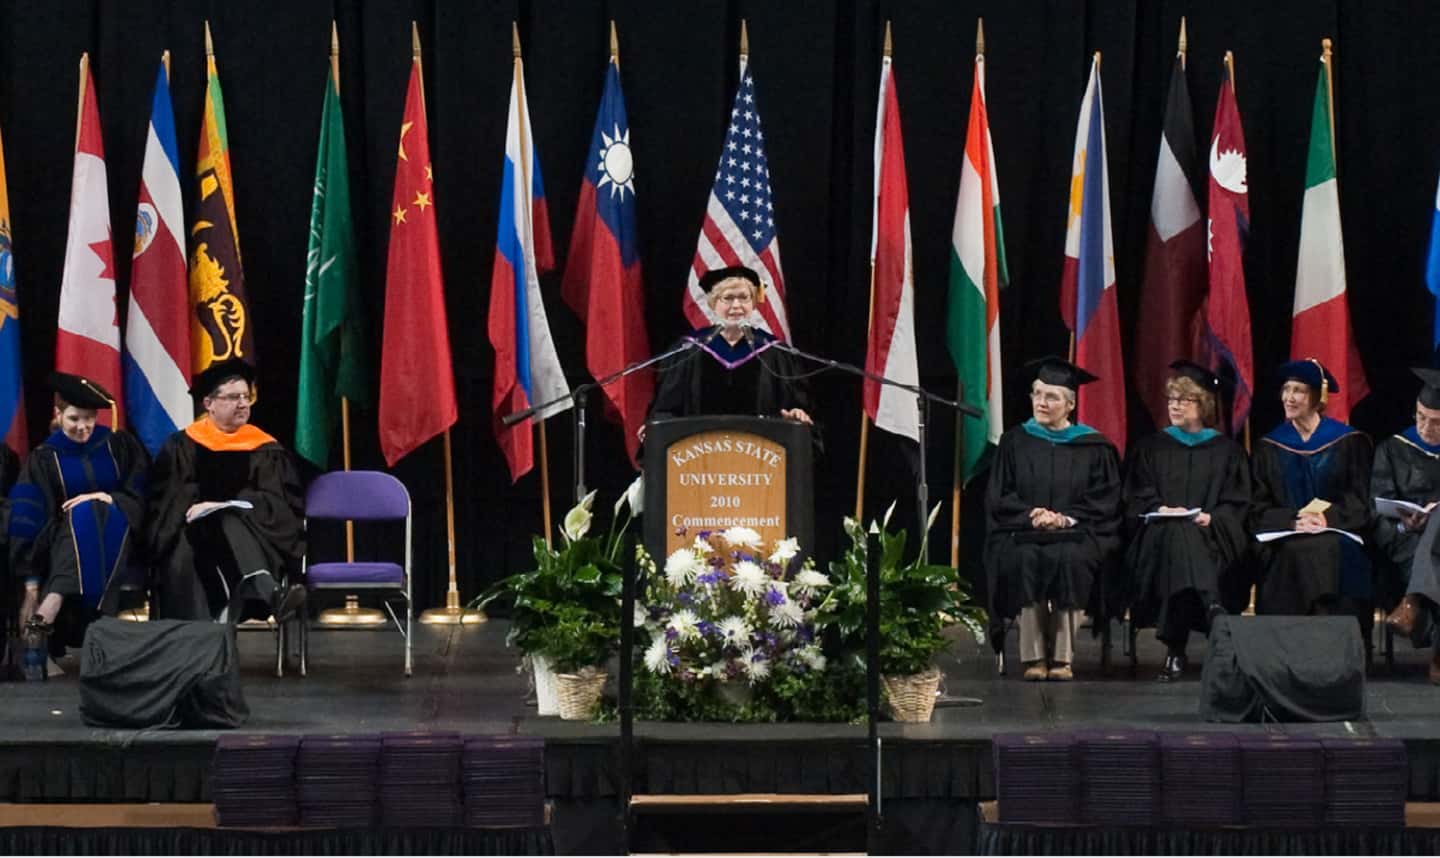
x=720, y=471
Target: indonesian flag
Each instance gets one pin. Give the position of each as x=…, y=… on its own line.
x=891, y=352
x=1320, y=328
x=1087, y=286
x=977, y=273
x=1227, y=307
x=88, y=340
x=1173, y=288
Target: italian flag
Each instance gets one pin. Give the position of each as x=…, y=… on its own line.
x=1320, y=328
x=977, y=272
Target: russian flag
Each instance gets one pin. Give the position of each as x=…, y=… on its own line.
x=527, y=369
x=1087, y=289
x=157, y=330
x=602, y=273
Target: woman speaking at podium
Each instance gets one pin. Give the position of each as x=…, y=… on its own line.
x=726, y=373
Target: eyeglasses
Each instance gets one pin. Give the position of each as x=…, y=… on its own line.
x=1182, y=399
x=1046, y=397
x=235, y=398
x=746, y=298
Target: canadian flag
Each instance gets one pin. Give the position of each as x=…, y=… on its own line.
x=88, y=340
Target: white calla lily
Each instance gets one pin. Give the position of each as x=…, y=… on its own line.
x=578, y=519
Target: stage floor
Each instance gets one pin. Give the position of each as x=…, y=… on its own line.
x=466, y=680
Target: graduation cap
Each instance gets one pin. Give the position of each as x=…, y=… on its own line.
x=80, y=391
x=1310, y=371
x=1429, y=395
x=208, y=380
x=1198, y=374
x=1054, y=370
x=714, y=276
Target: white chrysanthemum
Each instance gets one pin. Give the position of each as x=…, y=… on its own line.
x=680, y=567
x=717, y=669
x=657, y=656
x=742, y=536
x=787, y=615
x=702, y=547
x=684, y=622
x=755, y=667
x=813, y=657
x=785, y=550
x=642, y=616
x=750, y=579
x=809, y=581
x=734, y=630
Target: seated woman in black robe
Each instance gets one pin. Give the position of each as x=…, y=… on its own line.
x=79, y=495
x=1053, y=516
x=227, y=511
x=1312, y=473
x=1177, y=563
x=731, y=371
x=1407, y=468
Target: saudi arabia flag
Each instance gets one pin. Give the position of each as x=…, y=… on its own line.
x=977, y=272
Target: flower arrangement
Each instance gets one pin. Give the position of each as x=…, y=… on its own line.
x=732, y=635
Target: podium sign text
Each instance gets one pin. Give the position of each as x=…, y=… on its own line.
x=724, y=478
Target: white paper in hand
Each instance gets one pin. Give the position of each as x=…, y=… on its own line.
x=230, y=504
x=1184, y=513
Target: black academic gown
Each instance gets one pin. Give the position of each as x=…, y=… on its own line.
x=78, y=553
x=1406, y=468
x=10, y=585
x=270, y=536
x=1078, y=476
x=1167, y=557
x=1333, y=465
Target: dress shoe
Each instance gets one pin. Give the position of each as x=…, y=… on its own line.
x=1035, y=672
x=1212, y=612
x=284, y=603
x=1435, y=669
x=1403, y=618
x=1173, y=670
x=1060, y=673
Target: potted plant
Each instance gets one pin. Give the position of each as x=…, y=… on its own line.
x=919, y=601
x=565, y=612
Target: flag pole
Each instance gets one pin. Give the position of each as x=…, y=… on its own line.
x=1071, y=357
x=452, y=614
x=869, y=324
x=115, y=415
x=1326, y=55
x=524, y=165
x=352, y=614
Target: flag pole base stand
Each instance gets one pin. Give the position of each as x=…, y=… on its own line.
x=455, y=616
x=139, y=614
x=352, y=616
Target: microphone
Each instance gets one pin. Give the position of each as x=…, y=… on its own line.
x=748, y=332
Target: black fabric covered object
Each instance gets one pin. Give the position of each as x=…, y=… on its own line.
x=1285, y=668
x=164, y=673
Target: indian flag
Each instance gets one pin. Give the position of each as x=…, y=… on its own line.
x=1320, y=328
x=977, y=272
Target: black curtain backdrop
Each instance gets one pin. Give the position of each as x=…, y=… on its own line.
x=816, y=66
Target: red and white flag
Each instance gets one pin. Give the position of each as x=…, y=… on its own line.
x=891, y=351
x=1227, y=308
x=739, y=227
x=88, y=340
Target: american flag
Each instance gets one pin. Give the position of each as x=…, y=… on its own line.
x=739, y=226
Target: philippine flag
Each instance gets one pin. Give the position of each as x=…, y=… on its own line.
x=157, y=330
x=527, y=369
x=88, y=340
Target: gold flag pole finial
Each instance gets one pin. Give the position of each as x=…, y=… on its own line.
x=414, y=40
x=1325, y=49
x=165, y=60
x=515, y=39
x=334, y=39
x=1097, y=61
x=1184, y=39
x=980, y=37
x=614, y=43
x=209, y=42
x=889, y=46
x=1230, y=67
x=744, y=38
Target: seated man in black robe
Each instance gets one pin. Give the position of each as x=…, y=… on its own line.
x=226, y=511
x=1407, y=468
x=1177, y=560
x=79, y=501
x=1053, y=515
x=731, y=371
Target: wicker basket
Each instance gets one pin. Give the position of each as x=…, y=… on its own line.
x=578, y=693
x=912, y=698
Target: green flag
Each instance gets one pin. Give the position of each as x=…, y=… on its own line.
x=332, y=354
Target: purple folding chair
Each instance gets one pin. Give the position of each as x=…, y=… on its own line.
x=360, y=496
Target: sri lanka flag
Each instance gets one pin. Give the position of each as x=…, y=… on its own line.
x=527, y=369
x=1087, y=286
x=88, y=340
x=602, y=275
x=157, y=330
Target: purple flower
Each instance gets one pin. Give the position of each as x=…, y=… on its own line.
x=704, y=534
x=671, y=634
x=774, y=597
x=706, y=628
x=709, y=578
x=685, y=598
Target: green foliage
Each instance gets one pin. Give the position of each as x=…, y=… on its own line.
x=836, y=694
x=918, y=601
